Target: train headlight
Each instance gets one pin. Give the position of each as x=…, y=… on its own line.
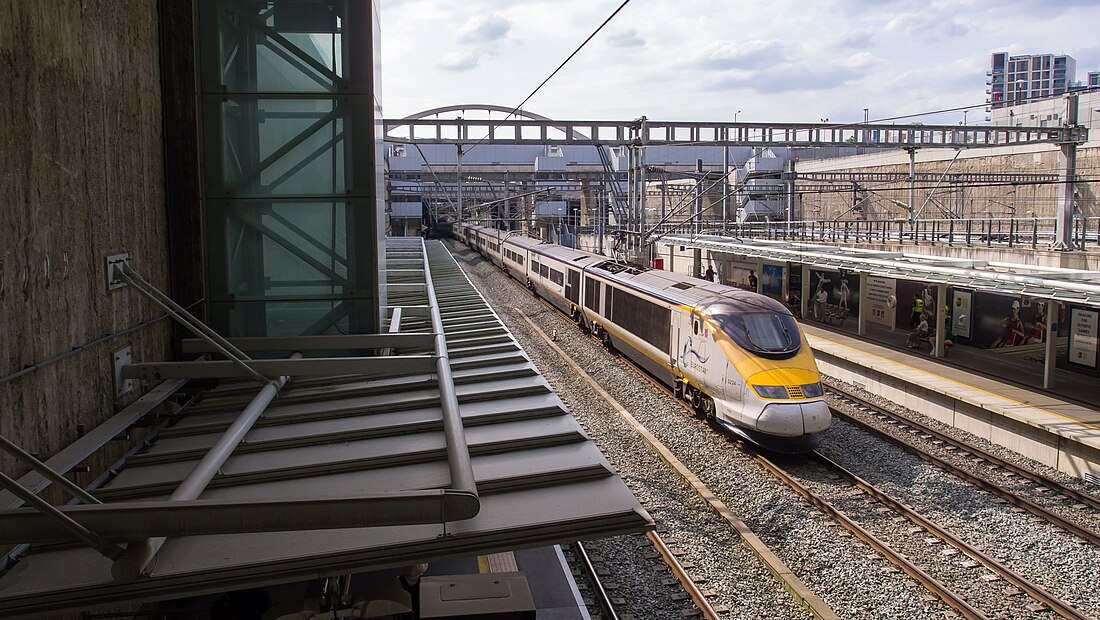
x=771, y=391
x=812, y=390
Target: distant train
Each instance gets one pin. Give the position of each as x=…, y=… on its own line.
x=738, y=357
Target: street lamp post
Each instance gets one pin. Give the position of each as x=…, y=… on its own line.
x=735, y=115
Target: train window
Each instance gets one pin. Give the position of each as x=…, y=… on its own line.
x=592, y=294
x=644, y=319
x=763, y=327
x=535, y=267
x=557, y=277
x=695, y=326
x=544, y=271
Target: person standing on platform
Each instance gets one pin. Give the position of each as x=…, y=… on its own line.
x=752, y=281
x=709, y=275
x=820, y=300
x=918, y=310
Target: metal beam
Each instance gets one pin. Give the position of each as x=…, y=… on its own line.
x=985, y=178
x=132, y=562
x=76, y=452
x=127, y=521
x=49, y=514
x=458, y=452
x=42, y=468
x=658, y=133
x=307, y=367
x=319, y=343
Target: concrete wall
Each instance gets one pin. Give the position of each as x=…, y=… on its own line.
x=971, y=202
x=82, y=177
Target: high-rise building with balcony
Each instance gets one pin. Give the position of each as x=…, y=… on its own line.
x=1015, y=79
x=1094, y=79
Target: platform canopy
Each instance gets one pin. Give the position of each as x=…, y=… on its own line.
x=344, y=472
x=1055, y=283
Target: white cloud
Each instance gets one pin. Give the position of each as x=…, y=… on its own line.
x=459, y=62
x=484, y=28
x=743, y=55
x=788, y=60
x=927, y=25
x=626, y=38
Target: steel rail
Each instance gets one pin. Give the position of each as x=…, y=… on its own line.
x=682, y=576
x=1035, y=477
x=803, y=595
x=936, y=587
x=933, y=585
x=1010, y=497
x=601, y=594
x=1032, y=589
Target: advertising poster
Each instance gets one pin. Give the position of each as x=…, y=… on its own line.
x=882, y=300
x=837, y=289
x=1083, y=337
x=960, y=314
x=771, y=281
x=996, y=321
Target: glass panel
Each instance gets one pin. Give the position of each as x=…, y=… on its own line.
x=301, y=248
x=290, y=318
x=274, y=46
x=291, y=185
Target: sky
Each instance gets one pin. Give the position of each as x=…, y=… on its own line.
x=717, y=60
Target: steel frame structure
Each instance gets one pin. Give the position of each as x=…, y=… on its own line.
x=144, y=527
x=641, y=133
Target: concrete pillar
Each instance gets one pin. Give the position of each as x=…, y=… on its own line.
x=1067, y=174
x=1054, y=310
x=805, y=290
x=725, y=186
x=941, y=301
x=912, y=186
x=458, y=184
x=861, y=323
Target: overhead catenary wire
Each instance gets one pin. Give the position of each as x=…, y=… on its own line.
x=552, y=74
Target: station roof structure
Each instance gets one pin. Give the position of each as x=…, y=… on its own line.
x=1054, y=283
x=348, y=471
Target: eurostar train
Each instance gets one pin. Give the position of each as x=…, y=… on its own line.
x=738, y=357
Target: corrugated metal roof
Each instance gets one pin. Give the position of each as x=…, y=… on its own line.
x=540, y=480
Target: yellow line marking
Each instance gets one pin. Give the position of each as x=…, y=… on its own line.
x=483, y=564
x=959, y=383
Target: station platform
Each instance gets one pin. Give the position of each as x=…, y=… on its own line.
x=1060, y=432
x=536, y=583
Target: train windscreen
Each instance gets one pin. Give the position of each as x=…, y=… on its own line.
x=758, y=328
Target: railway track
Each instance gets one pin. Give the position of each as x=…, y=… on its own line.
x=1019, y=486
x=969, y=584
x=982, y=591
x=599, y=592
x=802, y=594
x=938, y=550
